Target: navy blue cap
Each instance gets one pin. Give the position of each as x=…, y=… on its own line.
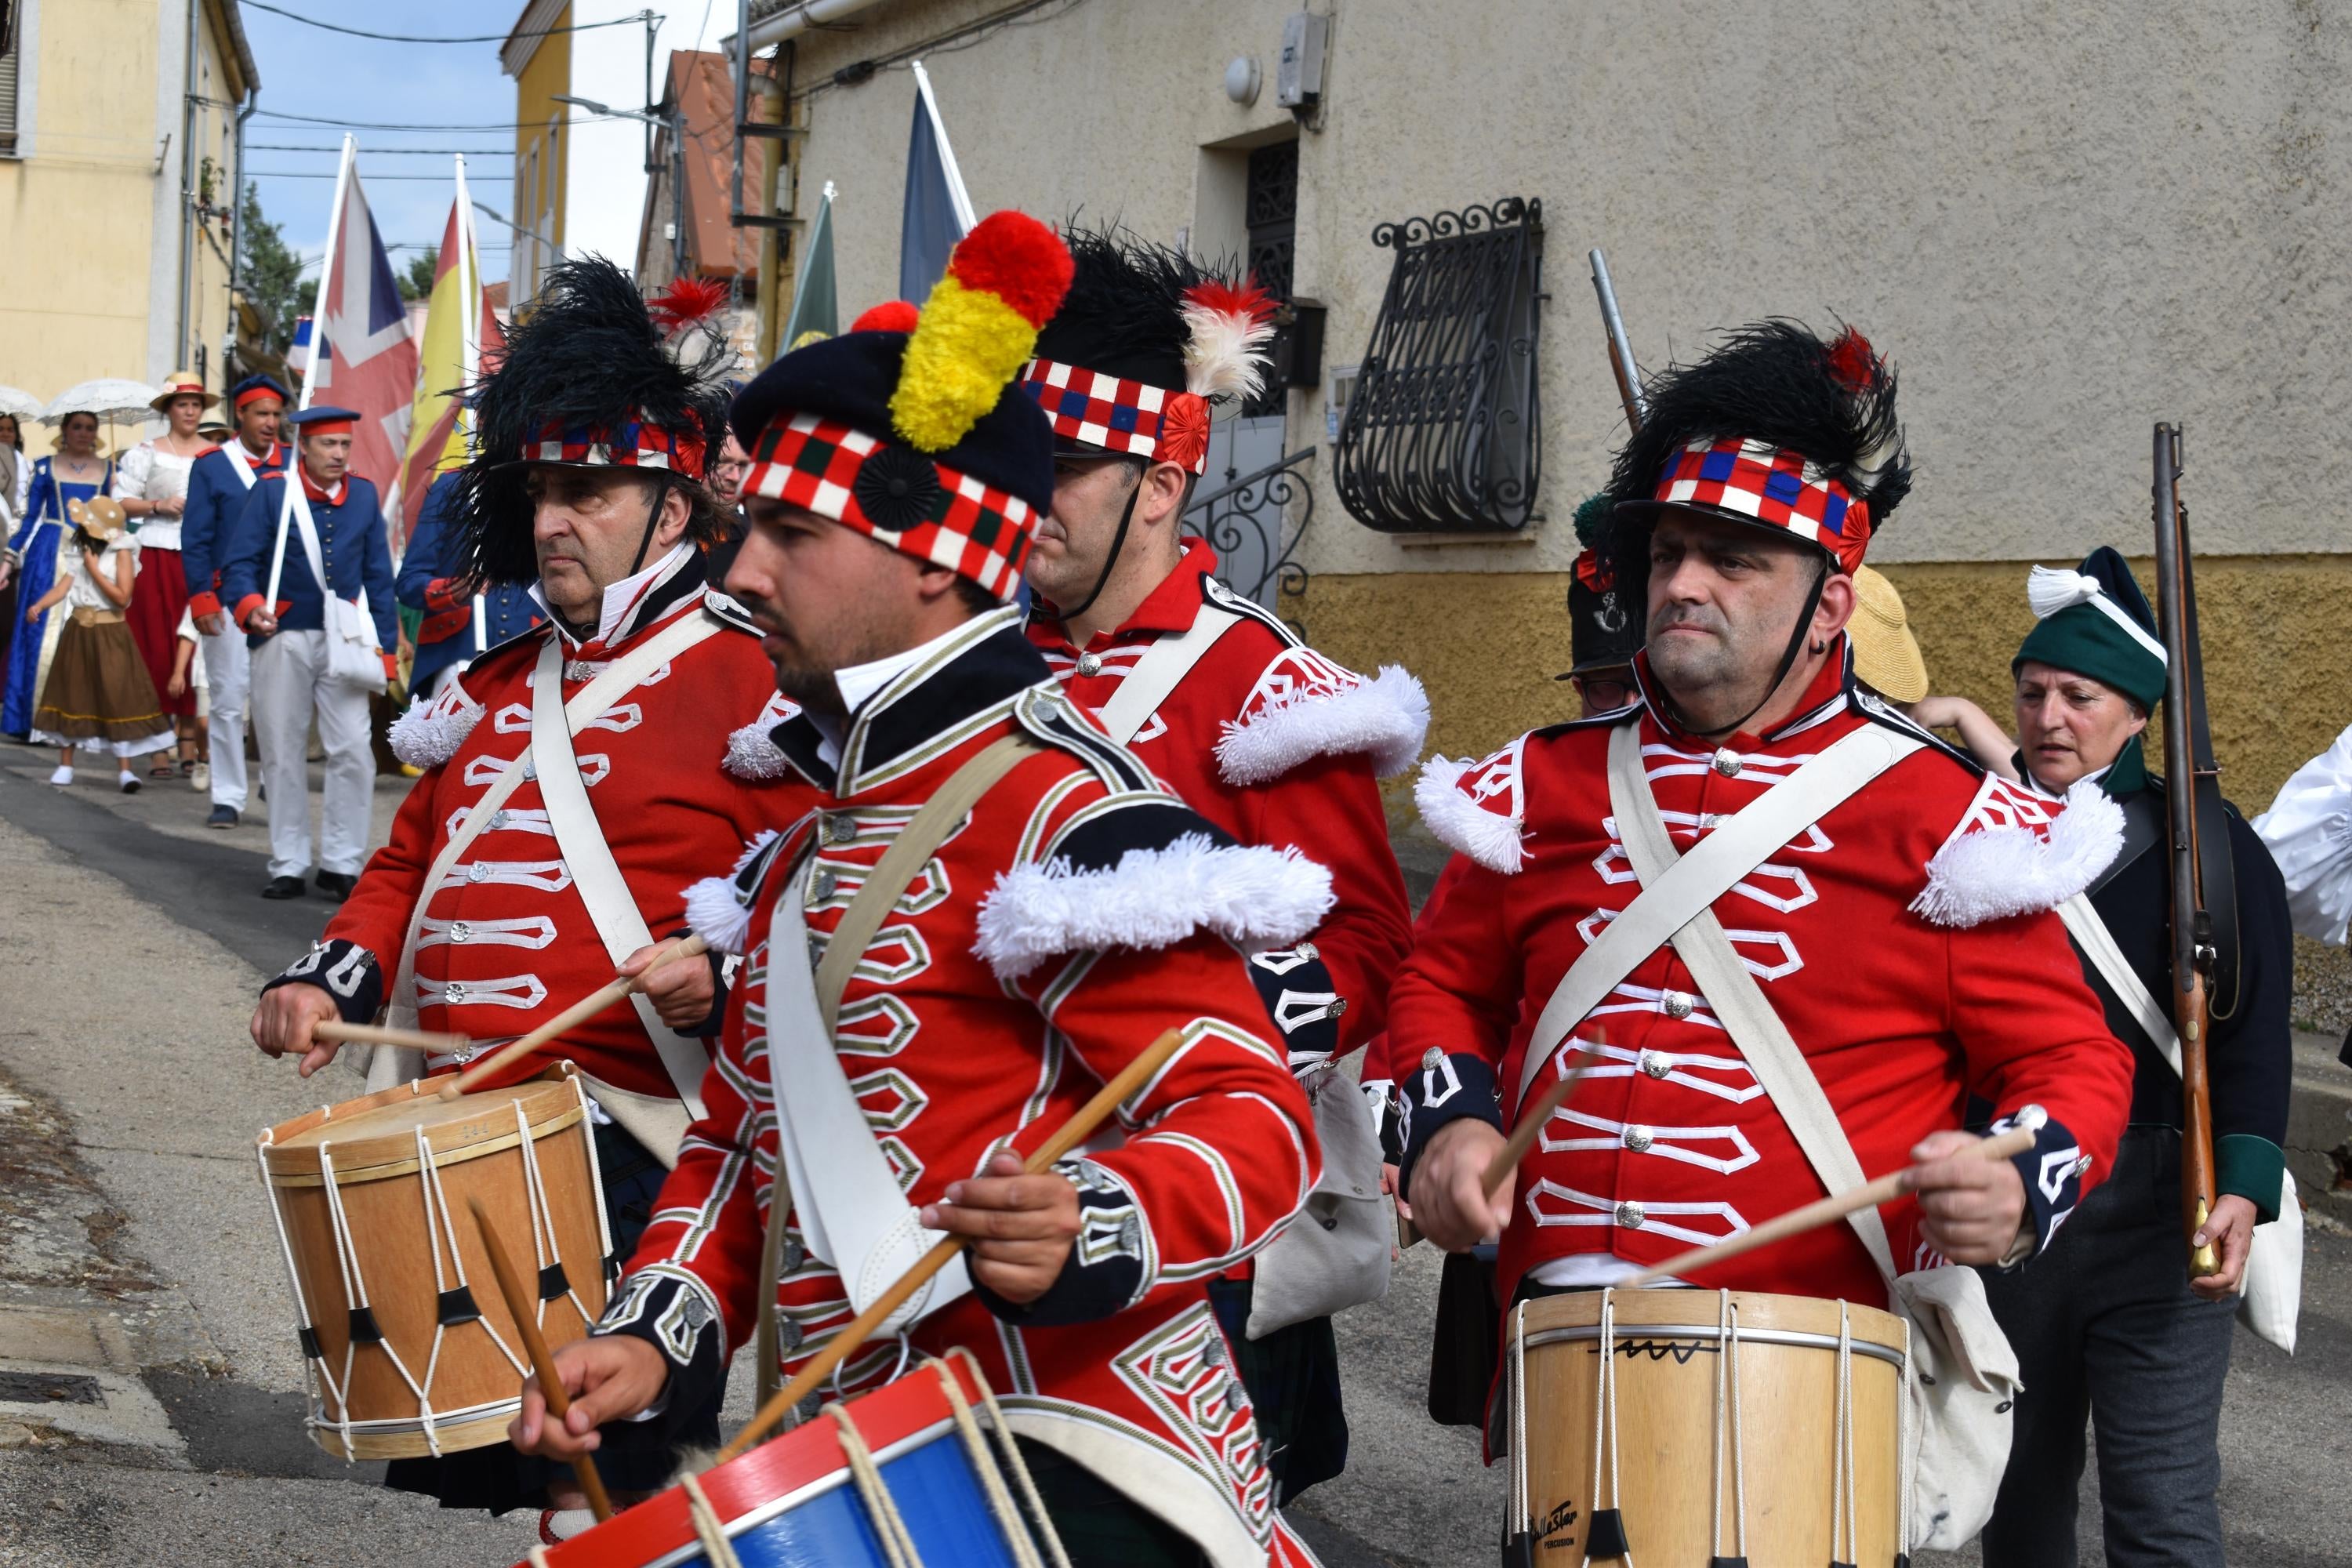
x=257, y=384
x=324, y=414
x=850, y=379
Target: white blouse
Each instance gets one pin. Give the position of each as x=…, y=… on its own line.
x=149, y=472
x=82, y=592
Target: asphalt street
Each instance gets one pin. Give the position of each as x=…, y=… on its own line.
x=150, y=1386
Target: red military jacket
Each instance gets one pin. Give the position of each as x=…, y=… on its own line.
x=1278, y=746
x=1905, y=940
x=1078, y=913
x=507, y=942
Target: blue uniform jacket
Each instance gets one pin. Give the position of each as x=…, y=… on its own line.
x=216, y=498
x=354, y=547
x=448, y=635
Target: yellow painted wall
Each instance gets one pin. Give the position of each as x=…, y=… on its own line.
x=76, y=217
x=215, y=136
x=1487, y=646
x=548, y=73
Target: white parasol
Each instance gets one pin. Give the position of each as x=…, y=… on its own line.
x=22, y=405
x=108, y=397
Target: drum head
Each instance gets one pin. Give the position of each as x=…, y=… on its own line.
x=379, y=1130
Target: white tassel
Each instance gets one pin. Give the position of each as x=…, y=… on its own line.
x=717, y=910
x=2050, y=589
x=1253, y=896
x=1996, y=872
x=429, y=733
x=1496, y=842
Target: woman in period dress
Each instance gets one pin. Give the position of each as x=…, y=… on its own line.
x=97, y=696
x=151, y=483
x=16, y=475
x=37, y=549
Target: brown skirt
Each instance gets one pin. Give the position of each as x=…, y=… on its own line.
x=99, y=694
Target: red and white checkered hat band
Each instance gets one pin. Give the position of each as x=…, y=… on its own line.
x=632, y=445
x=955, y=521
x=1110, y=412
x=1772, y=485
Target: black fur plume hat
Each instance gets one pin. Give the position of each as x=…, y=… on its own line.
x=586, y=381
x=1776, y=430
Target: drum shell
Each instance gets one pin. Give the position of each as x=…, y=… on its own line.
x=1668, y=1353
x=474, y=1387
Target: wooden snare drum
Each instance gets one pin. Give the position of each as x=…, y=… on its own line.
x=409, y=1347
x=1680, y=1427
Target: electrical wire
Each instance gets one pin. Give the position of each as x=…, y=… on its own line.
x=471, y=178
x=383, y=151
x=633, y=21
x=475, y=125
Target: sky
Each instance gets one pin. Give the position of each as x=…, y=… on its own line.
x=406, y=174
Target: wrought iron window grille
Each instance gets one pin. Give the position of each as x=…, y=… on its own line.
x=1443, y=430
x=1254, y=525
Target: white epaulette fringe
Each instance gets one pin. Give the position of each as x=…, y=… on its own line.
x=1994, y=873
x=1385, y=716
x=1251, y=895
x=430, y=733
x=720, y=912
x=1495, y=841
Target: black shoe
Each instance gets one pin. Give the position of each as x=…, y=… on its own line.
x=335, y=884
x=222, y=817
x=283, y=888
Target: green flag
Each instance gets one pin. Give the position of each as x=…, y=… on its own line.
x=815, y=309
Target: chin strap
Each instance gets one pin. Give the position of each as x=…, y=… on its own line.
x=661, y=500
x=1118, y=541
x=1779, y=673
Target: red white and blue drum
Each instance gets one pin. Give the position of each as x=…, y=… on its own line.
x=908, y=1462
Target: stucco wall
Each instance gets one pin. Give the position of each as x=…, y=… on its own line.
x=1488, y=647
x=78, y=207
x=2061, y=221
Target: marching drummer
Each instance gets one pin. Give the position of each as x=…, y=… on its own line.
x=1260, y=733
x=514, y=884
x=1894, y=920
x=1050, y=922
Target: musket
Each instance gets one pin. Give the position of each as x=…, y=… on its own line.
x=2190, y=771
x=1621, y=352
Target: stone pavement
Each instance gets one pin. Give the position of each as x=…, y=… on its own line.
x=150, y=1390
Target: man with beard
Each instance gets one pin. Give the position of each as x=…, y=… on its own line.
x=552, y=834
x=1060, y=913
x=1901, y=930
x=1258, y=732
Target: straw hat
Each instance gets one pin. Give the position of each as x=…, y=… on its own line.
x=101, y=517
x=1885, y=655
x=182, y=383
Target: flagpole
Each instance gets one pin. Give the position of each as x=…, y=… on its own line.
x=317, y=345
x=469, y=357
x=956, y=193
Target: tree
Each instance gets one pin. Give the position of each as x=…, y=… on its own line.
x=269, y=275
x=416, y=283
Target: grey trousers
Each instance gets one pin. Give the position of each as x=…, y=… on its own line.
x=2106, y=1325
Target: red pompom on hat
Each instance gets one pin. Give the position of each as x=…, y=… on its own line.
x=890, y=316
x=1021, y=261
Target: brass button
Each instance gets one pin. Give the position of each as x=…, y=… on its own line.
x=1726, y=763
x=460, y=930
x=1339, y=1006
x=497, y=820
x=840, y=829
x=1638, y=1138
x=1678, y=1004
x=1656, y=1065
x=1089, y=664
x=1631, y=1214
x=454, y=991
x=1431, y=1060
x=825, y=884
x=478, y=872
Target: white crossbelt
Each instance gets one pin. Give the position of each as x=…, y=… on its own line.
x=1161, y=669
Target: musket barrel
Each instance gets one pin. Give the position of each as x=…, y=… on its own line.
x=1621, y=350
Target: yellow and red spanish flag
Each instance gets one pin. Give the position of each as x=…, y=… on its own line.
x=458, y=329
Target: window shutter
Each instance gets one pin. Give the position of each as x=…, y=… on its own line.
x=8, y=100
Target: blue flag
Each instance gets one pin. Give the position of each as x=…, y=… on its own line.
x=938, y=211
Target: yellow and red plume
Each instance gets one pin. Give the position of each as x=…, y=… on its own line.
x=1005, y=281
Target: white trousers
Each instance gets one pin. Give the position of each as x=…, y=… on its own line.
x=228, y=676
x=289, y=686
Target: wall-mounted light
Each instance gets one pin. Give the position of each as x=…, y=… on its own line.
x=1242, y=79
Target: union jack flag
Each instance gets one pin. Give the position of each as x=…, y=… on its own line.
x=365, y=358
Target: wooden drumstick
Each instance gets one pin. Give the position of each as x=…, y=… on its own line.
x=550, y=1385
x=1523, y=1137
x=571, y=1017
x=1814, y=1215
x=338, y=1033
x=1067, y=1137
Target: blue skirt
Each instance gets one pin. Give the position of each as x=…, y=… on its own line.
x=35, y=575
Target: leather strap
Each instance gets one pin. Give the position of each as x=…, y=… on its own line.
x=596, y=875
x=852, y=1209
x=589, y=701
x=1160, y=669
x=1688, y=885
x=1722, y=977
x=2098, y=944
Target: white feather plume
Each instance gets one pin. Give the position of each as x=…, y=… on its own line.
x=1227, y=353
